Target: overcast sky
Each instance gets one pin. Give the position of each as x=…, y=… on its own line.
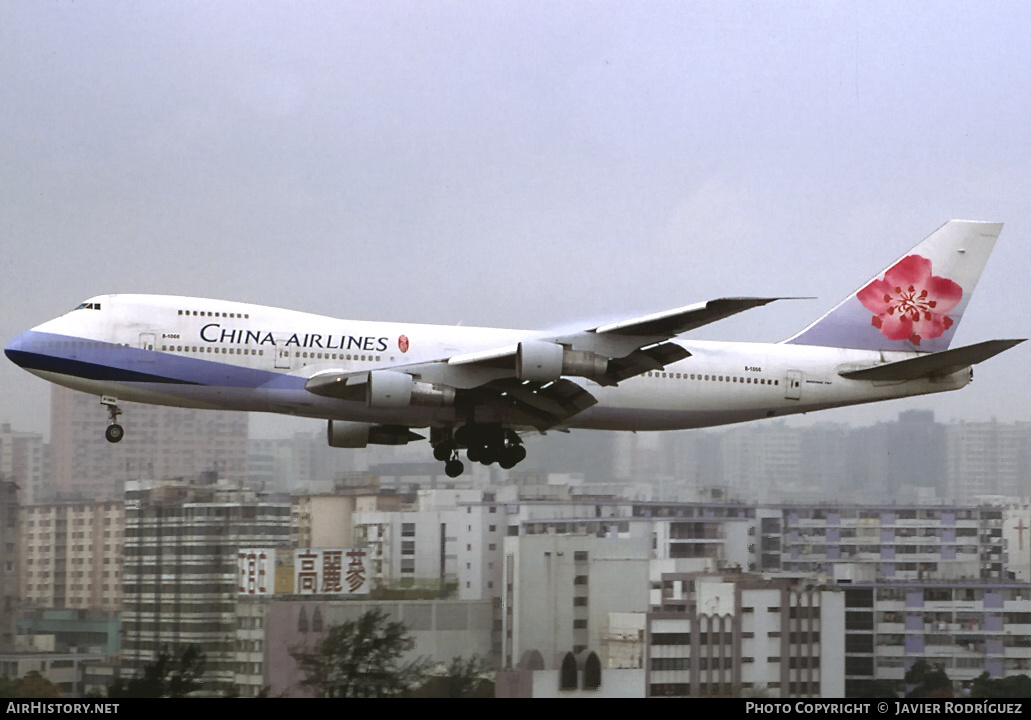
x=517, y=164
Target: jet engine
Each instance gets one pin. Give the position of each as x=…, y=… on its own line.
x=392, y=389
x=540, y=361
x=344, y=434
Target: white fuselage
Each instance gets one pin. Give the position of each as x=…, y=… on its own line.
x=193, y=352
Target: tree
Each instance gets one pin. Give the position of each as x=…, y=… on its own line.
x=874, y=689
x=460, y=678
x=33, y=685
x=929, y=681
x=165, y=677
x=1015, y=686
x=9, y=687
x=361, y=658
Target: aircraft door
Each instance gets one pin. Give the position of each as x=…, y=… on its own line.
x=793, y=390
x=148, y=341
x=283, y=359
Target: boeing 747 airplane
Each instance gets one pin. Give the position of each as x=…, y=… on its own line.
x=478, y=389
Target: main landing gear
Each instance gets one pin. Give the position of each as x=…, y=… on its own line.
x=486, y=444
x=114, y=432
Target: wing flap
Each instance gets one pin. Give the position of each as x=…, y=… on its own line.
x=932, y=365
x=641, y=361
x=542, y=406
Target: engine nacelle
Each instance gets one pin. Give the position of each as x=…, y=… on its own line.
x=389, y=389
x=539, y=361
x=392, y=389
x=344, y=434
x=341, y=434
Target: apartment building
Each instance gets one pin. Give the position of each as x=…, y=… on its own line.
x=728, y=635
x=180, y=581
x=965, y=627
x=72, y=555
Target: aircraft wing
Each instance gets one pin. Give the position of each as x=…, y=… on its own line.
x=530, y=378
x=632, y=346
x=681, y=320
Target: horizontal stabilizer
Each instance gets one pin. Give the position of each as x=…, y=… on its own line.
x=937, y=364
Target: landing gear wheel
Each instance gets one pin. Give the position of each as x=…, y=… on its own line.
x=453, y=468
x=519, y=452
x=507, y=460
x=512, y=456
x=487, y=456
x=444, y=450
x=114, y=433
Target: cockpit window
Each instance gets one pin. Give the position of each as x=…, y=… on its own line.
x=88, y=306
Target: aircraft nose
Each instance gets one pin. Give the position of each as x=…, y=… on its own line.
x=16, y=349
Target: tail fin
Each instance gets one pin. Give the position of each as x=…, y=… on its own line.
x=915, y=303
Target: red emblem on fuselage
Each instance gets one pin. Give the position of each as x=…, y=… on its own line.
x=402, y=342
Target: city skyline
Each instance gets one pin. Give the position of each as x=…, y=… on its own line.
x=522, y=165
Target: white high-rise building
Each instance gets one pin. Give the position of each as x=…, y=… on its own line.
x=180, y=579
x=72, y=555
x=559, y=590
x=728, y=635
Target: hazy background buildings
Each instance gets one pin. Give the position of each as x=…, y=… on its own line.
x=636, y=545
x=528, y=164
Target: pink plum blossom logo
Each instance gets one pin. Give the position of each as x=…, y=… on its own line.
x=910, y=303
x=402, y=343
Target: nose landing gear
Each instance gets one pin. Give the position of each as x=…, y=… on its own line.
x=114, y=432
